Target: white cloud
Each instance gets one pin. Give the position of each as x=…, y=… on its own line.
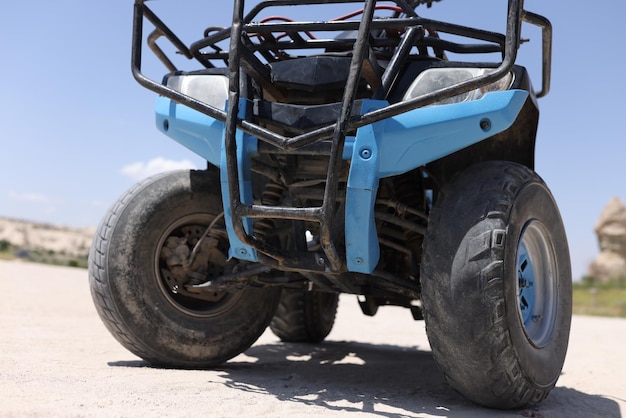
x=29, y=197
x=140, y=170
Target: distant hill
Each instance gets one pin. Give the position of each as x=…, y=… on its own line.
x=24, y=237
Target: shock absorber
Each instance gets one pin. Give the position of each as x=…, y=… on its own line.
x=272, y=196
x=401, y=230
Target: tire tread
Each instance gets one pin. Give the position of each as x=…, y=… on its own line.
x=508, y=387
x=300, y=316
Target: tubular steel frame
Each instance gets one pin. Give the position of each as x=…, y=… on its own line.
x=241, y=51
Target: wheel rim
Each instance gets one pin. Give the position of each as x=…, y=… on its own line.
x=211, y=304
x=537, y=283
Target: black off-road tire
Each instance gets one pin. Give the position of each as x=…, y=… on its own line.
x=135, y=303
x=304, y=316
x=496, y=285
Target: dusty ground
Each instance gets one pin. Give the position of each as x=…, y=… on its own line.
x=57, y=359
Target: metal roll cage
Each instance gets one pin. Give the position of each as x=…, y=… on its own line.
x=242, y=54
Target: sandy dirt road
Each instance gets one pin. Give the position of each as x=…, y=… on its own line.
x=57, y=359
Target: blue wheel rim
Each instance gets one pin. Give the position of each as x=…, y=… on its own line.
x=537, y=277
x=526, y=282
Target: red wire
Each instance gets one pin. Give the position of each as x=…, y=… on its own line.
x=280, y=18
x=284, y=19
x=358, y=12
x=337, y=19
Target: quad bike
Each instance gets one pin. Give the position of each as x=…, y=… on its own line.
x=347, y=155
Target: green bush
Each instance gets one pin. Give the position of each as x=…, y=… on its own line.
x=5, y=246
x=8, y=251
x=601, y=299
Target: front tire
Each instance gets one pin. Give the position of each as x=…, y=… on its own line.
x=496, y=285
x=137, y=293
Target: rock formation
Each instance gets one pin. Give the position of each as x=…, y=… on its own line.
x=32, y=235
x=610, y=265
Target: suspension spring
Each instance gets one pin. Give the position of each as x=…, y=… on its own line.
x=272, y=196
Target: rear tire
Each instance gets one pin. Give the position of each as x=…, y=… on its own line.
x=496, y=286
x=304, y=316
x=132, y=286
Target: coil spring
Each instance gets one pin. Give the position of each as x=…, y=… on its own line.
x=272, y=196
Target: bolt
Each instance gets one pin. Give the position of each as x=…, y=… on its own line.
x=242, y=251
x=358, y=261
x=366, y=153
x=485, y=124
x=320, y=261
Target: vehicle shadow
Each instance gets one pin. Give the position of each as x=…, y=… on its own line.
x=384, y=380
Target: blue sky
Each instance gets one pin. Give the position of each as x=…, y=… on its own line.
x=78, y=130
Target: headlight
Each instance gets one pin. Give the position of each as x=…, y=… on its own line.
x=434, y=79
x=211, y=89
